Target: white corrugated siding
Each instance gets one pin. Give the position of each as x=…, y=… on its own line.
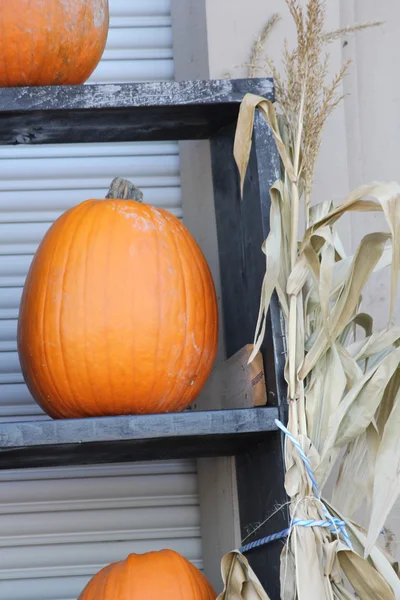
x=59, y=526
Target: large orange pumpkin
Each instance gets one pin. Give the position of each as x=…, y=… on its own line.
x=51, y=42
x=118, y=313
x=163, y=575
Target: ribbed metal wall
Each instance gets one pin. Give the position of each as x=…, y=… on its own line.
x=59, y=526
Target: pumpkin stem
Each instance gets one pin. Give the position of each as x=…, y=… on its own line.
x=124, y=190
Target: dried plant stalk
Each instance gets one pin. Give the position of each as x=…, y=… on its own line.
x=343, y=392
x=258, y=49
x=331, y=36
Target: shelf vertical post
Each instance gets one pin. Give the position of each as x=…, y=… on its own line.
x=242, y=226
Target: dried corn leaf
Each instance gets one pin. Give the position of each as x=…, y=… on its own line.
x=314, y=393
x=244, y=134
x=342, y=267
x=288, y=574
x=320, y=210
x=340, y=592
x=366, y=581
x=355, y=202
x=272, y=250
x=298, y=276
x=388, y=400
x=314, y=267
x=377, y=557
x=325, y=284
x=351, y=369
x=387, y=475
x=365, y=321
x=372, y=448
x=390, y=202
x=240, y=581
x=374, y=344
x=310, y=577
x=352, y=482
x=359, y=406
x=308, y=262
x=367, y=256
x=333, y=387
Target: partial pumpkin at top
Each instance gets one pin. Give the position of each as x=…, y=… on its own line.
x=51, y=42
x=118, y=313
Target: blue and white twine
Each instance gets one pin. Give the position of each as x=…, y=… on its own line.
x=336, y=526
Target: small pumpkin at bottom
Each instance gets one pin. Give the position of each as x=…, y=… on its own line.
x=159, y=575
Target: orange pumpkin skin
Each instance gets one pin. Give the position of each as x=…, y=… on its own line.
x=159, y=575
x=118, y=313
x=51, y=42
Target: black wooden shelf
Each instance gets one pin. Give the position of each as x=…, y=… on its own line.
x=132, y=438
x=123, y=112
x=178, y=111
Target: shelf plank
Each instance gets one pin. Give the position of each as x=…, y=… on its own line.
x=123, y=112
x=133, y=438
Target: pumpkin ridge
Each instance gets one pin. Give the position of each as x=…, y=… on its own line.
x=42, y=62
x=110, y=240
x=150, y=215
x=24, y=366
x=190, y=310
x=88, y=372
x=144, y=212
x=53, y=14
x=186, y=569
x=19, y=57
x=59, y=54
x=107, y=583
x=212, y=309
x=133, y=340
x=58, y=411
x=181, y=566
x=203, y=268
x=32, y=53
x=42, y=326
x=204, y=328
x=82, y=22
x=55, y=412
x=104, y=217
x=61, y=303
x=173, y=392
x=3, y=29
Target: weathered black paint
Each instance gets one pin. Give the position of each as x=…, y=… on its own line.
x=122, y=112
x=133, y=438
x=242, y=226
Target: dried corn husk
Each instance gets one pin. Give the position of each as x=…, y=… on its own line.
x=240, y=581
x=343, y=385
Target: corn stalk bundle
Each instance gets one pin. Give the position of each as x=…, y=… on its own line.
x=343, y=387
